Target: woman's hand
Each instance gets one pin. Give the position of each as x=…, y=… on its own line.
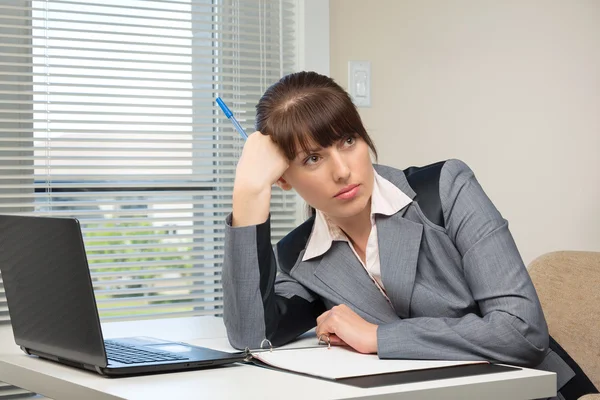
x=345, y=327
x=260, y=166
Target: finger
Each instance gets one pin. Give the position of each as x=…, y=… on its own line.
x=336, y=341
x=253, y=135
x=324, y=327
x=322, y=317
x=283, y=184
x=322, y=330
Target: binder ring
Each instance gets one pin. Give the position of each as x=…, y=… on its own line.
x=268, y=343
x=327, y=340
x=247, y=354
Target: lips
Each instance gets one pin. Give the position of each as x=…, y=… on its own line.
x=347, y=190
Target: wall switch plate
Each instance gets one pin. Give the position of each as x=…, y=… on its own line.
x=359, y=82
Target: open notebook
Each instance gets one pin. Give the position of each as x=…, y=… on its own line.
x=344, y=365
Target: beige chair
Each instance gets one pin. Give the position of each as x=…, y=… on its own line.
x=568, y=284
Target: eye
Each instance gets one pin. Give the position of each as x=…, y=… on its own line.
x=349, y=141
x=310, y=160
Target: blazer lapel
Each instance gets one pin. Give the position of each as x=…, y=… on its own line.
x=399, y=243
x=341, y=271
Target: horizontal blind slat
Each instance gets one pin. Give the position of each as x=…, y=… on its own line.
x=122, y=292
x=193, y=296
x=149, y=271
x=195, y=311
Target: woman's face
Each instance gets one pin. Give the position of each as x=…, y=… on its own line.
x=337, y=180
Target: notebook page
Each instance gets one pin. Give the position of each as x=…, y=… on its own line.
x=342, y=362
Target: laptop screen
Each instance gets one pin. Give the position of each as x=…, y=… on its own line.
x=48, y=288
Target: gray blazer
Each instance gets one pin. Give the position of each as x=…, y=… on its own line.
x=457, y=293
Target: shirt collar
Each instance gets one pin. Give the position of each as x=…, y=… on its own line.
x=386, y=199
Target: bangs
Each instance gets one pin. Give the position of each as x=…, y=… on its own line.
x=318, y=117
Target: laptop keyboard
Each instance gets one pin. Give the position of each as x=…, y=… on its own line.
x=125, y=354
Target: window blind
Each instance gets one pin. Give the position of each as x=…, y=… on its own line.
x=108, y=114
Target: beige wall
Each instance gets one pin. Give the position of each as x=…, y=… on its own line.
x=510, y=87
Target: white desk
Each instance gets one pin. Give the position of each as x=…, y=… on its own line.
x=238, y=381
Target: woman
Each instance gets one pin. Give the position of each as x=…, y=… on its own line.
x=368, y=269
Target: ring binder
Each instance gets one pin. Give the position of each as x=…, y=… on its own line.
x=269, y=342
x=267, y=346
x=345, y=365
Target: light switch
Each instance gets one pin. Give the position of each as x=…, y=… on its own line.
x=359, y=82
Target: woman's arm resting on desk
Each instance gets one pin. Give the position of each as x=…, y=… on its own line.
x=253, y=310
x=511, y=327
x=258, y=302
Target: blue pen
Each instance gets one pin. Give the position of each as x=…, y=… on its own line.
x=229, y=115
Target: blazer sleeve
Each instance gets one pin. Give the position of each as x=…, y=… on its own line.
x=260, y=302
x=511, y=327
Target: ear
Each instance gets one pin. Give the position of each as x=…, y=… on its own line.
x=282, y=183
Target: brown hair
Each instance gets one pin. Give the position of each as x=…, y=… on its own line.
x=305, y=108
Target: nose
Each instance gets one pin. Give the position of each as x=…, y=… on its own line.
x=340, y=168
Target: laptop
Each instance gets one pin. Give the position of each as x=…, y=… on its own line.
x=53, y=310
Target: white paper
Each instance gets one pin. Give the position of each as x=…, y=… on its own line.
x=342, y=362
